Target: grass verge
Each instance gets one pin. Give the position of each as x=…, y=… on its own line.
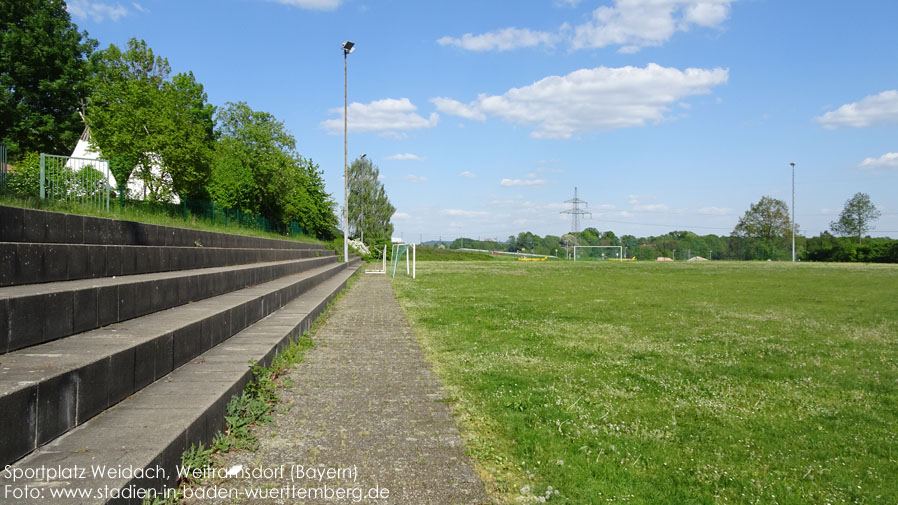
x=669, y=383
x=142, y=215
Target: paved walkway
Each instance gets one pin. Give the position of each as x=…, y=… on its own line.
x=364, y=400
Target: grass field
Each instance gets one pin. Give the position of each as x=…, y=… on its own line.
x=669, y=383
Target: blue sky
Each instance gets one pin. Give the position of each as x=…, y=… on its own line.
x=484, y=116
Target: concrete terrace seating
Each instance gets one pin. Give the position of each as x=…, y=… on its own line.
x=121, y=343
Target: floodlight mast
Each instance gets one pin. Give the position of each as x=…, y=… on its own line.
x=793, y=212
x=347, y=48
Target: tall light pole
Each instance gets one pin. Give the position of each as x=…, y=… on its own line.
x=347, y=48
x=793, y=212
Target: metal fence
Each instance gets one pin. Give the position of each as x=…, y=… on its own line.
x=75, y=179
x=3, y=167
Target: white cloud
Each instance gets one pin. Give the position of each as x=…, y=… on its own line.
x=463, y=213
x=714, y=211
x=596, y=99
x=501, y=40
x=388, y=116
x=516, y=183
x=888, y=160
x=874, y=110
x=630, y=24
x=634, y=24
x=318, y=5
x=140, y=8
x=96, y=11
x=406, y=156
x=653, y=207
x=417, y=179
x=456, y=108
x=468, y=175
x=637, y=199
x=401, y=215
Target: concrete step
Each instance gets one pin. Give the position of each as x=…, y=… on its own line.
x=49, y=389
x=83, y=305
x=28, y=225
x=29, y=263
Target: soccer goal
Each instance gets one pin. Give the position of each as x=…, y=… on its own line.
x=383, y=268
x=396, y=254
x=599, y=253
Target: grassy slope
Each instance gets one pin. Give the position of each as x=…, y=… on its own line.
x=670, y=383
x=143, y=216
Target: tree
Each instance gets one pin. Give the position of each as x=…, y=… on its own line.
x=142, y=121
x=43, y=76
x=370, y=210
x=257, y=170
x=187, y=121
x=766, y=222
x=305, y=200
x=253, y=153
x=856, y=217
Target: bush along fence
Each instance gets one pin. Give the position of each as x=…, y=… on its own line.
x=75, y=179
x=206, y=211
x=89, y=182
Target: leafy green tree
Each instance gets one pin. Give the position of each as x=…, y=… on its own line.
x=305, y=200
x=43, y=77
x=253, y=153
x=609, y=238
x=370, y=210
x=589, y=236
x=188, y=122
x=856, y=217
x=551, y=245
x=257, y=170
x=140, y=119
x=766, y=222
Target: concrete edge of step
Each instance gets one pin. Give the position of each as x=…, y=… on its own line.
x=149, y=430
x=95, y=370
x=23, y=263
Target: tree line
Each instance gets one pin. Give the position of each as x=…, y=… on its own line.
x=151, y=125
x=763, y=232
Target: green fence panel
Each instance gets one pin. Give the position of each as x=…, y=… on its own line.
x=3, y=167
x=75, y=179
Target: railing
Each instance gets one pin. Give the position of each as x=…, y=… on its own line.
x=75, y=179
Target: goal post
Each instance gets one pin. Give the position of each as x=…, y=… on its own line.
x=383, y=268
x=619, y=254
x=396, y=254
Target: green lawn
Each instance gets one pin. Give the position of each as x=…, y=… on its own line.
x=669, y=383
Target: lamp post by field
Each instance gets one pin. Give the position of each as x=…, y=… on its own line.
x=347, y=48
x=793, y=212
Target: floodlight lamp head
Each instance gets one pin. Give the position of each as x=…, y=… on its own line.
x=348, y=47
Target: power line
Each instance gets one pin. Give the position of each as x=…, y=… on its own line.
x=576, y=211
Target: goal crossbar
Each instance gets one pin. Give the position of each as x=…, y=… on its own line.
x=620, y=249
